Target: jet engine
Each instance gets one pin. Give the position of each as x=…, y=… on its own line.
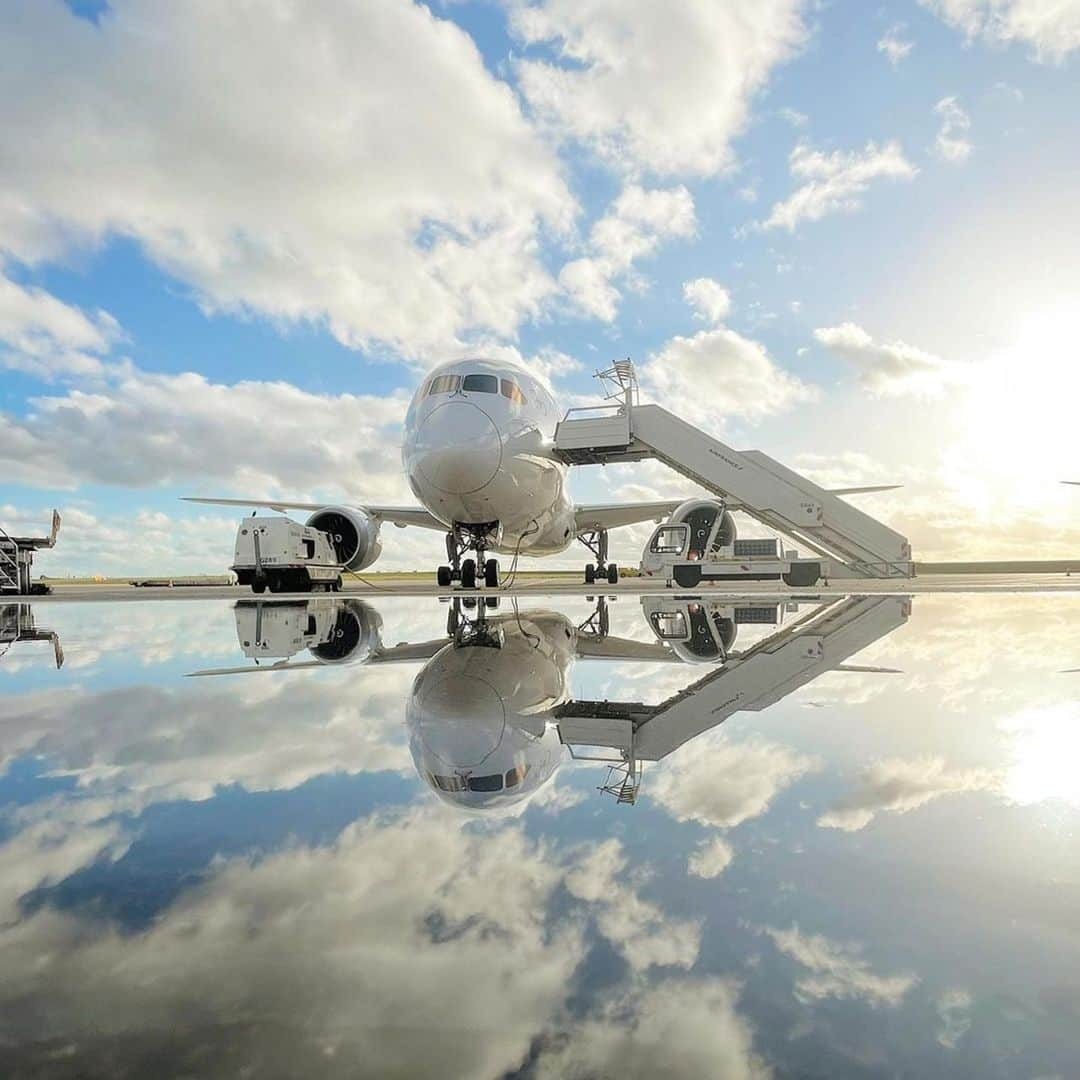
x=353, y=532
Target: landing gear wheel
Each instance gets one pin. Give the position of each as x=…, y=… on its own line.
x=491, y=573
x=612, y=574
x=336, y=585
x=590, y=574
x=468, y=574
x=491, y=601
x=444, y=576
x=259, y=586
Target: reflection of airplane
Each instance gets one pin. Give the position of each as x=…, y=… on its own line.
x=17, y=624
x=490, y=715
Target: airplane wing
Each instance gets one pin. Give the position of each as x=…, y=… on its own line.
x=397, y=515
x=1075, y=483
x=596, y=647
x=614, y=515
x=863, y=490
x=405, y=653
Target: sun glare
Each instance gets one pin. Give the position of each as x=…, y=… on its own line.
x=1045, y=749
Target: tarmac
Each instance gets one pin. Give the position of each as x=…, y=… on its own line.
x=561, y=585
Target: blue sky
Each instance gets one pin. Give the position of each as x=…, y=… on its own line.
x=874, y=201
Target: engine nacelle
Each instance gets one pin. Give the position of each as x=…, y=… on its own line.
x=354, y=634
x=353, y=532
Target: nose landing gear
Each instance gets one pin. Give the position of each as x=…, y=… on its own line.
x=468, y=571
x=596, y=540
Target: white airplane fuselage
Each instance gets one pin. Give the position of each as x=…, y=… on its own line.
x=477, y=450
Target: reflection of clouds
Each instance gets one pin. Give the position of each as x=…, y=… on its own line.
x=49, y=851
x=837, y=970
x=412, y=946
x=716, y=781
x=262, y=732
x=954, y=1009
x=711, y=858
x=637, y=928
x=898, y=785
x=352, y=956
x=685, y=1028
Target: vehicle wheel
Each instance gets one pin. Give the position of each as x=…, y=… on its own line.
x=590, y=574
x=258, y=586
x=468, y=602
x=468, y=574
x=491, y=573
x=336, y=587
x=443, y=576
x=276, y=584
x=612, y=573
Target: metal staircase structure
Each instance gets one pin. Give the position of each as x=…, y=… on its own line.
x=852, y=543
x=17, y=624
x=17, y=559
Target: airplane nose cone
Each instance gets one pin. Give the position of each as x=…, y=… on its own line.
x=457, y=448
x=460, y=721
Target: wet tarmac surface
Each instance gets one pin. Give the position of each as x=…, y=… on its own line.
x=541, y=835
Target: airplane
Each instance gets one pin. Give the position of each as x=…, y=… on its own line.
x=491, y=716
x=477, y=449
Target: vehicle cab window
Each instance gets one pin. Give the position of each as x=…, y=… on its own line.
x=480, y=384
x=669, y=540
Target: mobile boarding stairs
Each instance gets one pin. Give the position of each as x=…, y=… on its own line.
x=17, y=559
x=852, y=543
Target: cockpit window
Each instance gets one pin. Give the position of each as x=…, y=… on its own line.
x=511, y=390
x=481, y=384
x=486, y=783
x=515, y=775
x=443, y=384
x=448, y=783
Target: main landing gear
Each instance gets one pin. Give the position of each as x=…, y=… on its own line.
x=596, y=541
x=470, y=572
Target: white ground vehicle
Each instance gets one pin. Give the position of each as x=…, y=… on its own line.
x=698, y=543
x=281, y=555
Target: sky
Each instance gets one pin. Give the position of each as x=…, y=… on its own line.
x=233, y=237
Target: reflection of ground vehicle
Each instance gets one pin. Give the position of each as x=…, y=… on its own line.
x=703, y=630
x=285, y=556
x=698, y=543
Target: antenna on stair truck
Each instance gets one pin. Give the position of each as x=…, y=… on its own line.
x=620, y=382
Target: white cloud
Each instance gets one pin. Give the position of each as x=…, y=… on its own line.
x=634, y=226
x=891, y=369
x=709, y=299
x=1051, y=27
x=721, y=783
x=838, y=970
x=680, y=1028
x=256, y=438
x=308, y=166
x=835, y=182
x=951, y=143
x=900, y=785
x=954, y=1009
x=45, y=337
x=653, y=88
x=717, y=374
x=641, y=931
x=711, y=858
x=894, y=45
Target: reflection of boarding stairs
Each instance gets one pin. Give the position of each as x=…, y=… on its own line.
x=632, y=732
x=853, y=543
